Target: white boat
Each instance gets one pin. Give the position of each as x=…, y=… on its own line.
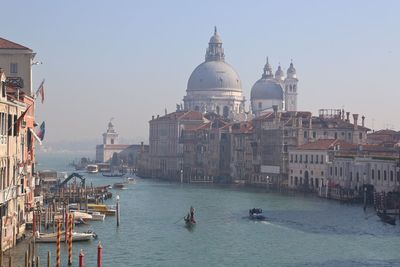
x=131, y=180
x=79, y=215
x=91, y=168
x=52, y=237
x=97, y=216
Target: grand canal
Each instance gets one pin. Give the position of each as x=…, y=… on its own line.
x=299, y=231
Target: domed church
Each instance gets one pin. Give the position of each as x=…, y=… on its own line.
x=214, y=86
x=275, y=90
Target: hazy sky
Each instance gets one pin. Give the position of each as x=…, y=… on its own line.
x=132, y=59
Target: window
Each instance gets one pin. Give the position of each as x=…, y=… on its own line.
x=306, y=159
x=314, y=135
x=335, y=171
x=384, y=175
x=335, y=135
x=291, y=157
x=351, y=176
x=295, y=158
x=3, y=89
x=259, y=105
x=13, y=68
x=331, y=171
x=305, y=134
x=373, y=174
x=312, y=159
x=361, y=136
x=358, y=177
x=391, y=176
x=341, y=171
x=379, y=174
x=301, y=158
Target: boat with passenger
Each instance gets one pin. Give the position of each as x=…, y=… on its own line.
x=131, y=180
x=256, y=214
x=118, y=174
x=189, y=219
x=119, y=186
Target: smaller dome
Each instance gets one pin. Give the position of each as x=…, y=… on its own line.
x=266, y=89
x=215, y=39
x=279, y=74
x=291, y=71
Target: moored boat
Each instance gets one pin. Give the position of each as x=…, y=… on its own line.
x=103, y=209
x=97, y=216
x=112, y=174
x=386, y=218
x=76, y=237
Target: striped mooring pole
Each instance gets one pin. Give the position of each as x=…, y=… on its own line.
x=99, y=255
x=66, y=226
x=81, y=259
x=70, y=240
x=58, y=260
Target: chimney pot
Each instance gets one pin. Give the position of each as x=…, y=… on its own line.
x=355, y=117
x=152, y=117
x=348, y=116
x=363, y=121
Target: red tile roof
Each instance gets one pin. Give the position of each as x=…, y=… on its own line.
x=6, y=44
x=325, y=144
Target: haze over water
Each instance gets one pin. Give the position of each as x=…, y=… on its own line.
x=299, y=231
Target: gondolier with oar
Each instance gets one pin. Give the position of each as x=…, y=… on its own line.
x=192, y=214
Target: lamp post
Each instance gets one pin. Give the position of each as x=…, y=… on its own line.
x=268, y=182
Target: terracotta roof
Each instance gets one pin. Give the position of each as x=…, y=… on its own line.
x=325, y=144
x=187, y=115
x=6, y=44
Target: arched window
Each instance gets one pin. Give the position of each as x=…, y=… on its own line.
x=226, y=112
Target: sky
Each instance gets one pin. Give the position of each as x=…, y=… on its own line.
x=132, y=59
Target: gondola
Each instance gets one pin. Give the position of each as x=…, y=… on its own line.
x=112, y=174
x=189, y=223
x=386, y=218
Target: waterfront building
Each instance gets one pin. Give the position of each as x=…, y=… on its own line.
x=242, y=141
x=308, y=164
x=383, y=136
x=17, y=162
x=374, y=167
x=128, y=154
x=166, y=148
x=16, y=61
x=206, y=151
x=276, y=90
x=214, y=85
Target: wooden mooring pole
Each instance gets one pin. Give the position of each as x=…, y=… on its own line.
x=48, y=259
x=99, y=255
x=58, y=260
x=118, y=210
x=81, y=259
x=70, y=240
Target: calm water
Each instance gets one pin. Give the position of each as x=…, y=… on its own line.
x=300, y=231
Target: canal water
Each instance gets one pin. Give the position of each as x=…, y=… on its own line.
x=299, y=230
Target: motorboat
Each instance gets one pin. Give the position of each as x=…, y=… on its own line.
x=79, y=215
x=92, y=168
x=256, y=214
x=97, y=216
x=103, y=209
x=119, y=186
x=76, y=237
x=131, y=180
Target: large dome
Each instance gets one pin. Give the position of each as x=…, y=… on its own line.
x=266, y=88
x=214, y=75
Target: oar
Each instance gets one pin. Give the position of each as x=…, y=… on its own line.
x=179, y=220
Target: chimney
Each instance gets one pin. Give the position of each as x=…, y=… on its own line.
x=348, y=116
x=355, y=117
x=152, y=117
x=310, y=122
x=141, y=147
x=158, y=116
x=363, y=121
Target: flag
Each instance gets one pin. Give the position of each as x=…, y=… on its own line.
x=41, y=132
x=19, y=120
x=40, y=91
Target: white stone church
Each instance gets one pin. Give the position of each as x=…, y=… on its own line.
x=214, y=86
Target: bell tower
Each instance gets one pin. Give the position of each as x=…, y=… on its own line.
x=110, y=137
x=290, y=86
